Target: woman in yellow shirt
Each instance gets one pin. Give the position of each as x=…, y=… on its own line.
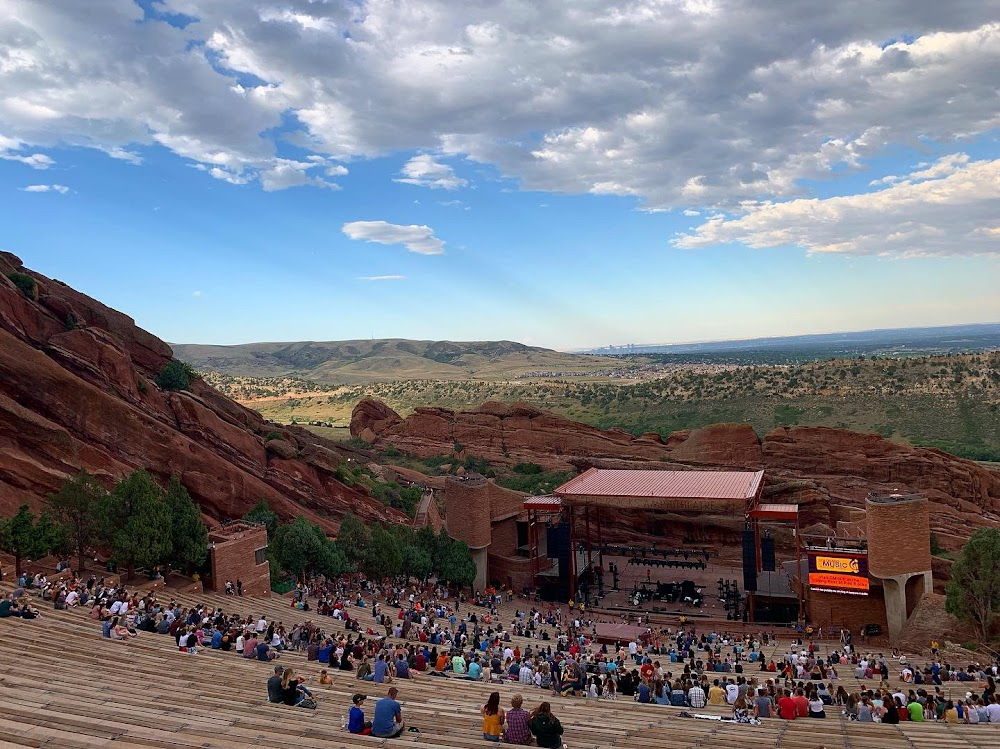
x=492, y=718
x=950, y=712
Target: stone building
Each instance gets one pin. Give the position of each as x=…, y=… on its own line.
x=238, y=551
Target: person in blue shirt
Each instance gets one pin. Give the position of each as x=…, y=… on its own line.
x=402, y=668
x=325, y=652
x=475, y=670
x=643, y=693
x=217, y=639
x=264, y=652
x=381, y=670
x=388, y=719
x=356, y=722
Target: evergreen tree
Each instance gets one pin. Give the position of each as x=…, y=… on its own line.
x=188, y=534
x=383, y=556
x=457, y=566
x=262, y=513
x=76, y=505
x=25, y=538
x=138, y=522
x=973, y=593
x=354, y=538
x=416, y=562
x=296, y=546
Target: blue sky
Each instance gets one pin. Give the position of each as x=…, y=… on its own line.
x=240, y=179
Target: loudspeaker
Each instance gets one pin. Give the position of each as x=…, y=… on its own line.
x=749, y=562
x=767, y=554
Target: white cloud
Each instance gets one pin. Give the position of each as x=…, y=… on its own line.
x=288, y=173
x=747, y=100
x=415, y=238
x=10, y=150
x=947, y=208
x=196, y=294
x=424, y=171
x=122, y=154
x=690, y=212
x=61, y=189
x=381, y=278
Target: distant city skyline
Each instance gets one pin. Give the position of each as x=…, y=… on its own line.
x=563, y=175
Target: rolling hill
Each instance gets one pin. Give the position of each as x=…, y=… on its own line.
x=377, y=360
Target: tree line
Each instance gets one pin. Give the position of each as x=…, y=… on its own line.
x=300, y=548
x=140, y=523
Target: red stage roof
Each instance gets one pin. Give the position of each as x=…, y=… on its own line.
x=723, y=485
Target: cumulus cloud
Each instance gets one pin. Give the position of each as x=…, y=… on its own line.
x=945, y=208
x=747, y=101
x=61, y=189
x=424, y=171
x=415, y=238
x=381, y=278
x=11, y=149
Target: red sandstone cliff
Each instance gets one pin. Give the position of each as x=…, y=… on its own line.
x=82, y=396
x=827, y=472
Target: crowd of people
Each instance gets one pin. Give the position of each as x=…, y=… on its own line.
x=425, y=631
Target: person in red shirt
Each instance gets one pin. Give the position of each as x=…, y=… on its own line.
x=801, y=704
x=787, y=708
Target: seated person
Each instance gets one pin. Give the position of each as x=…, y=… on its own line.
x=324, y=678
x=265, y=652
x=356, y=722
x=293, y=690
x=274, y=693
x=387, y=722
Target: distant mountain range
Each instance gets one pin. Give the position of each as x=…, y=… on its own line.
x=897, y=341
x=363, y=361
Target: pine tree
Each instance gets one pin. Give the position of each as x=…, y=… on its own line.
x=76, y=505
x=139, y=523
x=188, y=534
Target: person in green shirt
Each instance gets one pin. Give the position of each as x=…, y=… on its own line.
x=916, y=711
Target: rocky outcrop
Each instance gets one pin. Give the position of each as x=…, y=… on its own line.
x=500, y=432
x=826, y=472
x=77, y=391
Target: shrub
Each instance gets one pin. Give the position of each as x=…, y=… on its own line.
x=176, y=375
x=70, y=322
x=273, y=436
x=143, y=387
x=24, y=282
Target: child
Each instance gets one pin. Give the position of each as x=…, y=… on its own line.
x=356, y=722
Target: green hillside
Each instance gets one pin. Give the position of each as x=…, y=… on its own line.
x=950, y=402
x=365, y=361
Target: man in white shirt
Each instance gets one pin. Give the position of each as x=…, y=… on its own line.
x=732, y=692
x=993, y=710
x=261, y=624
x=73, y=598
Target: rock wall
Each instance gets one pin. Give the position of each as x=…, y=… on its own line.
x=77, y=391
x=826, y=472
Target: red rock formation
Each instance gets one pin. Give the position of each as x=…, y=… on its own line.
x=77, y=391
x=826, y=472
